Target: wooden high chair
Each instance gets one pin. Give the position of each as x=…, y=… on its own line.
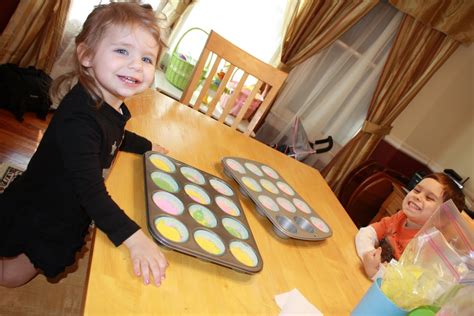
x=212, y=91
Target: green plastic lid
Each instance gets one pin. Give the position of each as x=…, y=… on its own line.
x=428, y=310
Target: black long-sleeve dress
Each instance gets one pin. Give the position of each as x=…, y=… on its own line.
x=45, y=213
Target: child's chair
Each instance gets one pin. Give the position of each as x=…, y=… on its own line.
x=212, y=91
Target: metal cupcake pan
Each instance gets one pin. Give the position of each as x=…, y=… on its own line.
x=275, y=199
x=198, y=214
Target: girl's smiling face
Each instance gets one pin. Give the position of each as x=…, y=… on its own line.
x=123, y=63
x=421, y=202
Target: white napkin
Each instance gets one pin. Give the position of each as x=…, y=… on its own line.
x=294, y=303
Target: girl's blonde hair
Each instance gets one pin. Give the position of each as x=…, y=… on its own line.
x=99, y=20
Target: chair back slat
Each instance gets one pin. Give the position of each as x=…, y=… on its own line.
x=246, y=105
x=233, y=97
x=207, y=82
x=220, y=90
x=188, y=93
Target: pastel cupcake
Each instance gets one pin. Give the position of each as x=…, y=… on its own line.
x=192, y=175
x=269, y=186
x=163, y=163
x=244, y=253
x=251, y=184
x=164, y=181
x=286, y=205
x=270, y=172
x=227, y=206
x=302, y=206
x=203, y=215
x=168, y=203
x=285, y=188
x=235, y=228
x=319, y=224
x=268, y=203
x=235, y=165
x=172, y=229
x=197, y=194
x=209, y=242
x=221, y=187
x=253, y=168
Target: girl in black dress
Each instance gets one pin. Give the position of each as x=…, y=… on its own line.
x=46, y=212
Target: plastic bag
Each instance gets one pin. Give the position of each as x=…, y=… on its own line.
x=296, y=144
x=438, y=258
x=459, y=302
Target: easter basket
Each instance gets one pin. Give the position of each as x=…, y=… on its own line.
x=180, y=68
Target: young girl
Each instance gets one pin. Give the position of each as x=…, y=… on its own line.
x=392, y=234
x=45, y=213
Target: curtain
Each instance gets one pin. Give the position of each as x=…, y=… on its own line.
x=317, y=24
x=417, y=53
x=34, y=33
x=452, y=17
x=169, y=11
x=331, y=91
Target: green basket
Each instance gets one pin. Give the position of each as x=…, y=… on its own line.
x=179, y=71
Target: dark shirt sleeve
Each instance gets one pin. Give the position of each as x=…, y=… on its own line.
x=134, y=143
x=80, y=147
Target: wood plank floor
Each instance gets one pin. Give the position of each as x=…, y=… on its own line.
x=61, y=296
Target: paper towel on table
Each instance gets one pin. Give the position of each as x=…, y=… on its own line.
x=294, y=303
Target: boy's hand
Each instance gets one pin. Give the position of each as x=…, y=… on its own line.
x=146, y=257
x=372, y=261
x=158, y=148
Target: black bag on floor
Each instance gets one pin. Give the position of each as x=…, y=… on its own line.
x=24, y=90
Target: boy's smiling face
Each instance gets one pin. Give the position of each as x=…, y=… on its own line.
x=421, y=202
x=123, y=63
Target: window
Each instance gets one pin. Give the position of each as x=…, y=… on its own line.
x=255, y=26
x=332, y=90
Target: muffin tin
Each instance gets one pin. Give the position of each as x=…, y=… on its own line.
x=274, y=198
x=198, y=214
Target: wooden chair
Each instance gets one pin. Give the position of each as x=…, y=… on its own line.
x=220, y=56
x=366, y=200
x=358, y=175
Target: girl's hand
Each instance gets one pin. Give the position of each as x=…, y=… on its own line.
x=158, y=148
x=146, y=257
x=372, y=261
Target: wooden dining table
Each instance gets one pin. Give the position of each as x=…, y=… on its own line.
x=327, y=272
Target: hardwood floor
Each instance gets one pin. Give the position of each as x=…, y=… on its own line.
x=18, y=140
x=61, y=296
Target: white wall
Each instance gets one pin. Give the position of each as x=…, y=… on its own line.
x=437, y=127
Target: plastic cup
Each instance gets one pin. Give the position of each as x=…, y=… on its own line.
x=374, y=302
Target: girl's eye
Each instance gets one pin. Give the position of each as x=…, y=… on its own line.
x=147, y=60
x=121, y=51
x=417, y=190
x=429, y=198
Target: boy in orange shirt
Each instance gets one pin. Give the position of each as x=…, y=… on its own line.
x=379, y=242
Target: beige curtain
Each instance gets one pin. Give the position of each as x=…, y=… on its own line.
x=317, y=24
x=452, y=17
x=34, y=33
x=417, y=53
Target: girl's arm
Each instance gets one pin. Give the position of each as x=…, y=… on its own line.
x=146, y=257
x=80, y=142
x=134, y=143
x=137, y=144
